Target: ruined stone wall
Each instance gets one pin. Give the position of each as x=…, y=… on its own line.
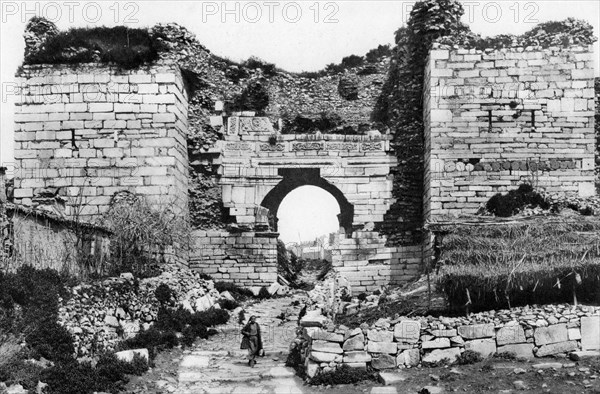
x=529, y=333
x=96, y=130
x=44, y=241
x=496, y=119
x=248, y=258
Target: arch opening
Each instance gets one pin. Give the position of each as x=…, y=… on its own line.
x=297, y=178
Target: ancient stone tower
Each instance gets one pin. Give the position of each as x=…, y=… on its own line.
x=89, y=132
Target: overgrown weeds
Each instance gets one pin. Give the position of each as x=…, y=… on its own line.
x=500, y=265
x=141, y=234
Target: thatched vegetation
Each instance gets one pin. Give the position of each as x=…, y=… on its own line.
x=505, y=264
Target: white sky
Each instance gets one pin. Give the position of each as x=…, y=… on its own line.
x=296, y=36
x=306, y=213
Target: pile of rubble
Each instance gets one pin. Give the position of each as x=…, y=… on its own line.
x=101, y=314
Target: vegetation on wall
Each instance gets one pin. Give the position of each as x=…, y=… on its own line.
x=505, y=205
x=141, y=233
x=121, y=45
x=254, y=97
x=531, y=261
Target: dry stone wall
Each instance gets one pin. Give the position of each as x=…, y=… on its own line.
x=497, y=118
x=529, y=332
x=96, y=130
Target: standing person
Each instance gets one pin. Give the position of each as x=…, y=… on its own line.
x=252, y=340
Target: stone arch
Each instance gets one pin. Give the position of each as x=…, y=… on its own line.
x=296, y=177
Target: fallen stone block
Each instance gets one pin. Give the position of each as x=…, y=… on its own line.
x=326, y=347
x=355, y=343
x=510, y=335
x=351, y=333
x=590, y=332
x=409, y=357
x=576, y=356
x=380, y=336
x=273, y=288
x=311, y=368
x=438, y=343
x=438, y=355
x=316, y=333
x=313, y=320
x=383, y=361
x=444, y=333
x=574, y=333
x=556, y=348
x=551, y=334
x=485, y=347
x=322, y=357
x=382, y=347
x=389, y=378
x=204, y=303
x=357, y=357
x=477, y=331
x=407, y=331
x=127, y=355
x=521, y=350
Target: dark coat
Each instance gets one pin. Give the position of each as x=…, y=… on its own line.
x=246, y=337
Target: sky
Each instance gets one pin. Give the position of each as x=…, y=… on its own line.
x=296, y=36
x=305, y=213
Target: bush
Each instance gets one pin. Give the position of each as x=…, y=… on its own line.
x=343, y=375
x=19, y=371
x=254, y=97
x=139, y=232
x=264, y=294
x=163, y=293
x=228, y=304
x=127, y=47
x=515, y=200
x=469, y=357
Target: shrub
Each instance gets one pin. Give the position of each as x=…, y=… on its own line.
x=264, y=294
x=163, y=293
x=505, y=355
x=51, y=340
x=352, y=61
x=152, y=339
x=228, y=304
x=375, y=54
x=469, y=357
x=511, y=203
x=254, y=97
x=362, y=296
x=139, y=232
x=343, y=375
x=254, y=63
x=126, y=47
x=19, y=371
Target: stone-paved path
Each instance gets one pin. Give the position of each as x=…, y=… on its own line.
x=219, y=366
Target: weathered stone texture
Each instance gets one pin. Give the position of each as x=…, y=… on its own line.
x=97, y=130
x=247, y=258
x=490, y=124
